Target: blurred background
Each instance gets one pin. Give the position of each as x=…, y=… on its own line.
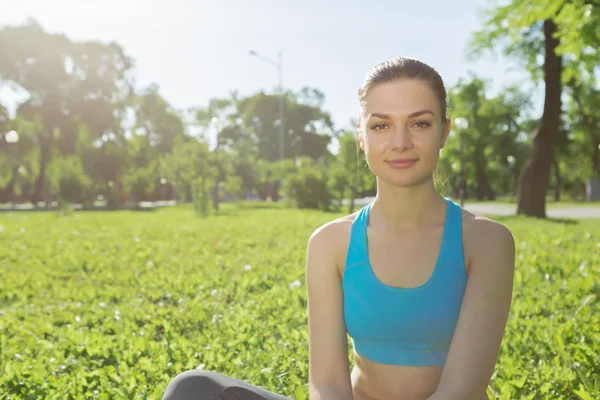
x=113, y=104
x=216, y=117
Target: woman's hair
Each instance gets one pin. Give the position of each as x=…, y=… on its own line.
x=404, y=68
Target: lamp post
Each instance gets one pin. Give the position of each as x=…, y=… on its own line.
x=462, y=124
x=280, y=123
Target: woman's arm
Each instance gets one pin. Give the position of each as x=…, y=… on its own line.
x=329, y=370
x=483, y=315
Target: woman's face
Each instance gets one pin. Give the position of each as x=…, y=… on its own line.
x=402, y=131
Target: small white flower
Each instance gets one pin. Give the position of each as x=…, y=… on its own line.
x=247, y=267
x=201, y=366
x=214, y=292
x=78, y=318
x=137, y=239
x=149, y=263
x=102, y=305
x=295, y=284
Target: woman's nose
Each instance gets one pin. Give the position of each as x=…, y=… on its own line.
x=401, y=138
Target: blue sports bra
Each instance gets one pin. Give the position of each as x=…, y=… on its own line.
x=404, y=326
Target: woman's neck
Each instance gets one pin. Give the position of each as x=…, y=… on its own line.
x=400, y=208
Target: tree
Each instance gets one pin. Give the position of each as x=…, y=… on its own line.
x=69, y=85
x=585, y=113
x=190, y=169
x=478, y=154
x=156, y=120
x=529, y=29
x=18, y=161
x=309, y=128
x=35, y=61
x=350, y=172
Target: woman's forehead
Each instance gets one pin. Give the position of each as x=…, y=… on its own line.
x=400, y=97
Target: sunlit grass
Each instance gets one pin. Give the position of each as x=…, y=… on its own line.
x=113, y=305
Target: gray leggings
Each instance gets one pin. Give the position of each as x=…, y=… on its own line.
x=206, y=385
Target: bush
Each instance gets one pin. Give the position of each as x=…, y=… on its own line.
x=307, y=188
x=140, y=182
x=67, y=180
x=201, y=196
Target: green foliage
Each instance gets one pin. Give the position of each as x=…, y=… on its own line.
x=169, y=292
x=68, y=181
x=349, y=175
x=516, y=28
x=140, y=182
x=188, y=164
x=307, y=187
x=201, y=196
x=497, y=127
x=233, y=186
x=308, y=128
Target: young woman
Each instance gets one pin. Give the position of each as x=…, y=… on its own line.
x=422, y=287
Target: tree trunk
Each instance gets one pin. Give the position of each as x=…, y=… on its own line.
x=46, y=143
x=275, y=190
x=535, y=176
x=216, y=196
x=557, y=180
x=7, y=193
x=484, y=189
x=353, y=194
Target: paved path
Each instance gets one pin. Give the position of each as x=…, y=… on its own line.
x=506, y=209
x=558, y=212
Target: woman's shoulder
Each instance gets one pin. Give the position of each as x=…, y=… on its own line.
x=334, y=230
x=331, y=240
x=484, y=237
x=479, y=228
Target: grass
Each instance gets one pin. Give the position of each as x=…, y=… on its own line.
x=113, y=305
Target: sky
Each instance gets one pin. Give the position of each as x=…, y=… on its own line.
x=196, y=50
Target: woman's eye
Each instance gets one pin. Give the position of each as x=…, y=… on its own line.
x=379, y=126
x=422, y=124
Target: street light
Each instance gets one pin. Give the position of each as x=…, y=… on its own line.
x=462, y=124
x=277, y=65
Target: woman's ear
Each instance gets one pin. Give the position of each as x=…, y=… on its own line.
x=361, y=136
x=446, y=132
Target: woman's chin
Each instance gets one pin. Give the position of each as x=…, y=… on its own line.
x=404, y=179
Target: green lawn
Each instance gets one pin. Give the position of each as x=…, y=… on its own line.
x=112, y=305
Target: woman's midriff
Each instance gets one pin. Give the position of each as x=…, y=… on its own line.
x=374, y=381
